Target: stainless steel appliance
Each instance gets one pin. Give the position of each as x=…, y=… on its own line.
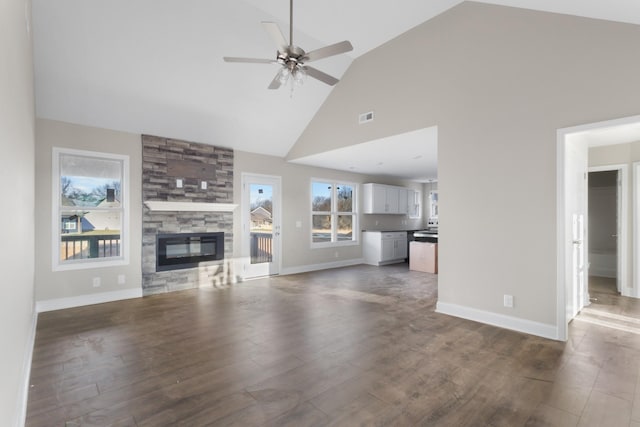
x=428, y=235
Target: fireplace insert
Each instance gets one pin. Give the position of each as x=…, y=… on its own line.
x=187, y=250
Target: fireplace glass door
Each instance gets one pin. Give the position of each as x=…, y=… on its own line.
x=188, y=250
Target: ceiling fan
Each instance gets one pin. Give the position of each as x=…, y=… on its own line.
x=293, y=58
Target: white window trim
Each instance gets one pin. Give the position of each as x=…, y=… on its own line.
x=417, y=195
x=355, y=213
x=123, y=259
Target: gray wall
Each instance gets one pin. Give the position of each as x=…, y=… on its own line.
x=57, y=285
x=498, y=82
x=17, y=321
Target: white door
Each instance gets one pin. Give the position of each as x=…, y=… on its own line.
x=620, y=235
x=579, y=273
x=576, y=238
x=261, y=227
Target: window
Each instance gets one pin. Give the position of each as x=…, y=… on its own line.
x=90, y=209
x=333, y=213
x=415, y=207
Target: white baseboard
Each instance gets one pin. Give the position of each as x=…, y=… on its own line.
x=23, y=394
x=630, y=292
x=81, y=300
x=500, y=320
x=323, y=266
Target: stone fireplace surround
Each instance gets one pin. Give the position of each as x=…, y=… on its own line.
x=165, y=160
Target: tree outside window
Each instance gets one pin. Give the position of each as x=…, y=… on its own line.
x=333, y=212
x=89, y=208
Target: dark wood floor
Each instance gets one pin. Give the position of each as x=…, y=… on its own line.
x=353, y=346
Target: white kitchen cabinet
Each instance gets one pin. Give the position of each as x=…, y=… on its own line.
x=384, y=199
x=380, y=247
x=403, y=200
x=375, y=198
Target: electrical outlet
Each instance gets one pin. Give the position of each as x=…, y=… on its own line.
x=336, y=254
x=96, y=282
x=178, y=183
x=203, y=185
x=121, y=279
x=508, y=301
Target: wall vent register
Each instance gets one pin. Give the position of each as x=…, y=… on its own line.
x=365, y=117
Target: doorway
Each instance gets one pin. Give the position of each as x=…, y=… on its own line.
x=572, y=155
x=608, y=229
x=261, y=225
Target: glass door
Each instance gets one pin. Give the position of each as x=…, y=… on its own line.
x=261, y=225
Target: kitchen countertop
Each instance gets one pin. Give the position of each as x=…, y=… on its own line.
x=393, y=231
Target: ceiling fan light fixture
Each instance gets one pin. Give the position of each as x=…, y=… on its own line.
x=292, y=58
x=299, y=75
x=283, y=75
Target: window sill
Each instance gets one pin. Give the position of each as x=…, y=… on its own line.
x=89, y=264
x=334, y=244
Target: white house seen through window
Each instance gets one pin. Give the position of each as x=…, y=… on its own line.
x=89, y=208
x=333, y=213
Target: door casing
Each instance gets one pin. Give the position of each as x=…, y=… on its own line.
x=248, y=270
x=564, y=215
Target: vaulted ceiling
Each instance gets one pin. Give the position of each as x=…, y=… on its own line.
x=155, y=66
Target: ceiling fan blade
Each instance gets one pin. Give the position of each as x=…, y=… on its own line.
x=321, y=75
x=275, y=83
x=276, y=35
x=323, y=52
x=249, y=60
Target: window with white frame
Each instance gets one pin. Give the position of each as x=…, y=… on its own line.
x=90, y=209
x=415, y=207
x=333, y=213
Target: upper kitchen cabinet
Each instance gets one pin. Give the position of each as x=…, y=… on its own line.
x=385, y=199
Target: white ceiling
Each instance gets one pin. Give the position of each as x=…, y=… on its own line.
x=623, y=133
x=412, y=155
x=155, y=66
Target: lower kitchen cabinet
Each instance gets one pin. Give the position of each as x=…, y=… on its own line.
x=423, y=257
x=384, y=247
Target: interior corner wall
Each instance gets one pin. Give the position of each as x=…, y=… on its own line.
x=17, y=142
x=72, y=287
x=498, y=88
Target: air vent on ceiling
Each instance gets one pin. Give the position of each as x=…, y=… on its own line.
x=365, y=117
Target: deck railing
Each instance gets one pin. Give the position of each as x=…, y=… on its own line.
x=78, y=246
x=261, y=248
